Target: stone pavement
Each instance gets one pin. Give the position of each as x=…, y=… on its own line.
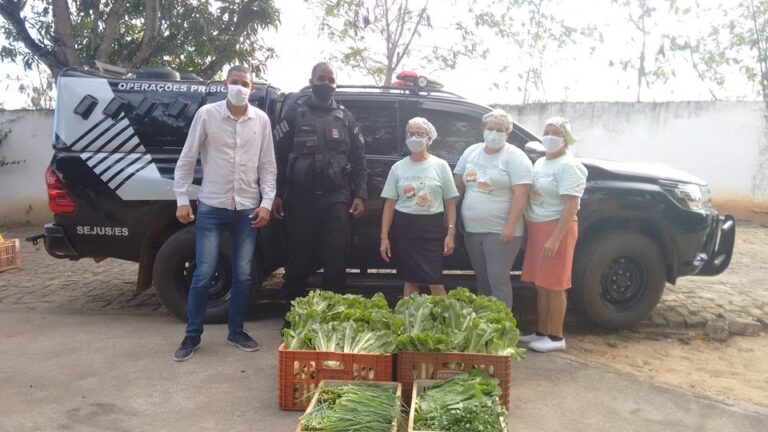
x=45, y=283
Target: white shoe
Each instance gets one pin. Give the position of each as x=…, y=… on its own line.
x=533, y=337
x=547, y=345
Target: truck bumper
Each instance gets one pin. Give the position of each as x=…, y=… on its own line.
x=718, y=258
x=56, y=242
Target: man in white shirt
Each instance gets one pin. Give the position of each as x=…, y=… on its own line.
x=234, y=142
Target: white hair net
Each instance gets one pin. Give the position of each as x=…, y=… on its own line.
x=421, y=121
x=564, y=125
x=501, y=116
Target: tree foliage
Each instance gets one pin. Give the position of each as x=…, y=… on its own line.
x=737, y=42
x=195, y=36
x=375, y=36
x=532, y=29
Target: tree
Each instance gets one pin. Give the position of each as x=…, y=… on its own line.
x=649, y=66
x=378, y=36
x=534, y=27
x=729, y=45
x=186, y=35
x=358, y=25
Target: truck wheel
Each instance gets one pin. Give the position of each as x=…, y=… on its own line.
x=172, y=277
x=618, y=278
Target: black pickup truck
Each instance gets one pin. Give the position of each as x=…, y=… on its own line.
x=118, y=135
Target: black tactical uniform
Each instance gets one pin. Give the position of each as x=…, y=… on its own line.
x=321, y=168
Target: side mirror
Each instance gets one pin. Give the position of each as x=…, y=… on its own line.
x=534, y=150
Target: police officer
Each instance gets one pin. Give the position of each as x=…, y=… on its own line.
x=321, y=182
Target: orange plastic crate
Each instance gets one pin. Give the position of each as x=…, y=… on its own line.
x=301, y=372
x=412, y=366
x=10, y=256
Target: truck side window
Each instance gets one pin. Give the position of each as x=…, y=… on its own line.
x=379, y=123
x=455, y=132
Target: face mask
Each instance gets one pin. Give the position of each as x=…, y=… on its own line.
x=237, y=94
x=494, y=140
x=323, y=92
x=551, y=143
x=416, y=144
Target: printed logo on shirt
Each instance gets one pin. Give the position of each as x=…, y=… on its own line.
x=423, y=199
x=409, y=190
x=536, y=196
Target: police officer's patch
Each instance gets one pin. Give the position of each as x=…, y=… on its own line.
x=335, y=134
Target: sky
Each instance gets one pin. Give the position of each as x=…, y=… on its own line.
x=572, y=74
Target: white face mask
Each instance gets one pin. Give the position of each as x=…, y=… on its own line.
x=416, y=144
x=237, y=94
x=551, y=143
x=494, y=140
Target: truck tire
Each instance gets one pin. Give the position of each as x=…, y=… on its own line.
x=172, y=276
x=618, y=278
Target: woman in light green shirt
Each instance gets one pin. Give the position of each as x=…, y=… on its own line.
x=559, y=181
x=495, y=179
x=418, y=223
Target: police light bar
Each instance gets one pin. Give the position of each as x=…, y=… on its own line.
x=406, y=78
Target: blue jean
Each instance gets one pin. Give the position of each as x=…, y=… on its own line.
x=211, y=224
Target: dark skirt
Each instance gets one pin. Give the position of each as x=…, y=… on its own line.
x=417, y=247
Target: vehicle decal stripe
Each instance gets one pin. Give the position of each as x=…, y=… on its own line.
x=88, y=137
x=120, y=139
x=101, y=134
x=129, y=141
x=130, y=152
x=91, y=129
x=96, y=157
x=125, y=180
x=107, y=141
x=124, y=168
x=119, y=167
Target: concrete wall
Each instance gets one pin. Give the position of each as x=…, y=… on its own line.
x=24, y=153
x=724, y=143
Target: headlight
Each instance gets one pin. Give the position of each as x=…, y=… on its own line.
x=688, y=195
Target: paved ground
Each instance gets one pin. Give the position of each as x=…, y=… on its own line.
x=113, y=372
x=47, y=283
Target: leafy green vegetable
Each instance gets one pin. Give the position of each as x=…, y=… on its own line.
x=459, y=322
x=327, y=321
x=355, y=407
x=465, y=403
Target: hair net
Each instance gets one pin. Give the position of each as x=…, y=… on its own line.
x=501, y=116
x=564, y=125
x=421, y=121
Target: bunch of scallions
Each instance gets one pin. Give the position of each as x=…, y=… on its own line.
x=356, y=407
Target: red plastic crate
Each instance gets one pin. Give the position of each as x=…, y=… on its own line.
x=10, y=256
x=301, y=372
x=412, y=366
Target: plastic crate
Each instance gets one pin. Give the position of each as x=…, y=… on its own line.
x=338, y=383
x=302, y=371
x=10, y=255
x=419, y=387
x=412, y=366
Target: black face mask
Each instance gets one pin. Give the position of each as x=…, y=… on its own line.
x=323, y=92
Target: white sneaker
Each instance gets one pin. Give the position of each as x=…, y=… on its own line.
x=533, y=337
x=547, y=345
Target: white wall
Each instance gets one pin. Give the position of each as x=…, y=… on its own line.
x=724, y=143
x=719, y=142
x=23, y=196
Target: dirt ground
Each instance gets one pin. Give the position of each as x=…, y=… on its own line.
x=735, y=370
